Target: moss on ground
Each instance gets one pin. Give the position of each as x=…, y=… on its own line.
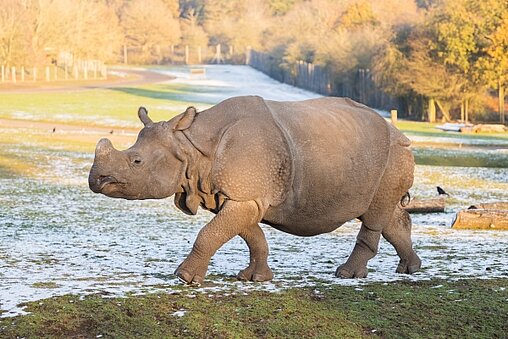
x=437, y=309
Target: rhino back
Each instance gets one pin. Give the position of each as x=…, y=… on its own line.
x=339, y=152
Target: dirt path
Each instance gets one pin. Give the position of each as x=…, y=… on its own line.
x=60, y=126
x=133, y=77
x=58, y=131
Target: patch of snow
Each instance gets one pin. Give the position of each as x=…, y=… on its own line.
x=456, y=139
x=118, y=73
x=179, y=313
x=225, y=81
x=53, y=229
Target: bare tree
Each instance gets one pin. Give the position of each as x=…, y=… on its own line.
x=238, y=23
x=14, y=36
x=93, y=31
x=193, y=34
x=149, y=24
x=49, y=22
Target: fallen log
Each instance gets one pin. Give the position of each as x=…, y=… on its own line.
x=496, y=128
x=433, y=205
x=481, y=219
x=498, y=205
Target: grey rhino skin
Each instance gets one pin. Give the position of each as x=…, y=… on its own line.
x=302, y=167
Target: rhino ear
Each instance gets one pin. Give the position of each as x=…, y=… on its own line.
x=186, y=119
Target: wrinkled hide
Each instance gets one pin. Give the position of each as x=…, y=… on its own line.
x=302, y=167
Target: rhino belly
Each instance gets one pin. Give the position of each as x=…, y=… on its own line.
x=339, y=156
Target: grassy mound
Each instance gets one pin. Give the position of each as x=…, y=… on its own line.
x=461, y=309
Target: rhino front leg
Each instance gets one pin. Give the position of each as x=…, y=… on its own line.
x=258, y=269
x=233, y=219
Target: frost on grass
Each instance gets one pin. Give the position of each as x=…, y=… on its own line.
x=57, y=237
x=223, y=81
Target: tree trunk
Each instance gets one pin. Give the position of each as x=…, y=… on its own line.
x=481, y=219
x=125, y=61
x=466, y=110
x=499, y=205
x=432, y=110
x=446, y=114
x=501, y=102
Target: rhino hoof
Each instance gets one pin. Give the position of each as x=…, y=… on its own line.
x=258, y=275
x=345, y=272
x=409, y=266
x=188, y=278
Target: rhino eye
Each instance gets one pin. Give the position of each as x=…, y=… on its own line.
x=137, y=161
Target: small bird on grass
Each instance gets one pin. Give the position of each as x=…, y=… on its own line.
x=441, y=191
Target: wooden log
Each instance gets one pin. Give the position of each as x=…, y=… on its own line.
x=434, y=205
x=496, y=128
x=498, y=205
x=480, y=219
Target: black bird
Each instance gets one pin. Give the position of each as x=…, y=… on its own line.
x=54, y=129
x=111, y=132
x=441, y=191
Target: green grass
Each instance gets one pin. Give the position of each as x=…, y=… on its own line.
x=102, y=107
x=432, y=309
x=434, y=156
x=430, y=130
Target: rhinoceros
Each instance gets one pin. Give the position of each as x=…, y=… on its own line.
x=303, y=167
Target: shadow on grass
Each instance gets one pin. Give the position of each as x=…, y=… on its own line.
x=149, y=93
x=195, y=94
x=437, y=157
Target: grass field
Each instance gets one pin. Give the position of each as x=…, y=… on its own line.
x=102, y=107
x=42, y=172
x=432, y=309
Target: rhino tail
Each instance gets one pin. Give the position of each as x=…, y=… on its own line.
x=405, y=200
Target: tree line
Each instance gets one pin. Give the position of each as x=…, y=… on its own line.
x=441, y=58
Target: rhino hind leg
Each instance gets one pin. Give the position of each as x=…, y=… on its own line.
x=398, y=233
x=233, y=219
x=365, y=248
x=384, y=216
x=258, y=269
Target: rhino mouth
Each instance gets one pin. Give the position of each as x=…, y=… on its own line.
x=106, y=180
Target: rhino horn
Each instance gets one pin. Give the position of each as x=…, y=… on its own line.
x=143, y=116
x=104, y=147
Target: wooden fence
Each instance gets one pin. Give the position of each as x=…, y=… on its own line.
x=357, y=85
x=185, y=54
x=80, y=70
